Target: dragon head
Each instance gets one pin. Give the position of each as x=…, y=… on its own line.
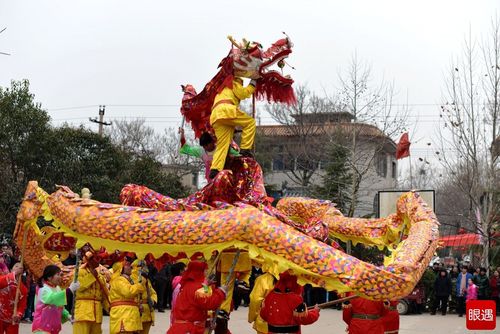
x=246, y=60
x=249, y=60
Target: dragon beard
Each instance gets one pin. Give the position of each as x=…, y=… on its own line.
x=273, y=90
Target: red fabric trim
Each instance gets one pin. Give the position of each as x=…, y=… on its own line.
x=460, y=240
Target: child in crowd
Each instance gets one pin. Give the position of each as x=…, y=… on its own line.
x=49, y=302
x=471, y=290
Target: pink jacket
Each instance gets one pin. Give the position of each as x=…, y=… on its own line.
x=471, y=292
x=49, y=309
x=176, y=287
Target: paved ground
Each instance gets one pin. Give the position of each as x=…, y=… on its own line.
x=330, y=322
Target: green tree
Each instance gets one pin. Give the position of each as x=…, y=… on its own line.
x=147, y=171
x=30, y=149
x=78, y=157
x=336, y=177
x=23, y=124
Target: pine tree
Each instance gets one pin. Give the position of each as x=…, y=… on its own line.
x=336, y=177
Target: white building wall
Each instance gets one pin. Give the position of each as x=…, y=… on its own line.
x=371, y=183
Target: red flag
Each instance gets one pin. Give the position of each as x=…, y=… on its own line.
x=403, y=148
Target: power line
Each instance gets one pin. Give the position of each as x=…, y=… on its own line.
x=76, y=107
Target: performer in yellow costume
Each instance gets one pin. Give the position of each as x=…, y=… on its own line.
x=262, y=286
x=226, y=115
x=124, y=316
x=91, y=297
x=147, y=299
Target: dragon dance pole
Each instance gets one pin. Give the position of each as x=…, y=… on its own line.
x=139, y=280
x=333, y=302
x=231, y=270
x=226, y=285
x=26, y=225
x=253, y=114
x=253, y=105
x=213, y=265
x=75, y=279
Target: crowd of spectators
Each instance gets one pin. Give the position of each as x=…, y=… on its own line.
x=448, y=289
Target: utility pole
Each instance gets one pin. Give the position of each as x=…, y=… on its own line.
x=101, y=119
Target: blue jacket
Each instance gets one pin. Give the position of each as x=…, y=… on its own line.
x=459, y=279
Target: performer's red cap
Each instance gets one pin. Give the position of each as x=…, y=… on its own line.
x=195, y=272
x=288, y=283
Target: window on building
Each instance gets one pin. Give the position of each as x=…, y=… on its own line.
x=394, y=170
x=381, y=164
x=278, y=163
x=279, y=159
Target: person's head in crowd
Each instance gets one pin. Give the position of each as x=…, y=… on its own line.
x=443, y=272
x=482, y=271
x=51, y=276
x=470, y=281
x=195, y=272
x=6, y=249
x=455, y=269
x=464, y=269
x=435, y=266
x=17, y=269
x=91, y=259
x=496, y=274
x=207, y=142
x=127, y=268
x=177, y=269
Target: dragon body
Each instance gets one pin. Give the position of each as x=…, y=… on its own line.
x=268, y=240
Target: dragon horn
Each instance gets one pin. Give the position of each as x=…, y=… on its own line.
x=290, y=44
x=233, y=42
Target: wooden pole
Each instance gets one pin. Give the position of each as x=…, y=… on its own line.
x=214, y=265
x=226, y=285
x=19, y=280
x=75, y=279
x=253, y=114
x=333, y=302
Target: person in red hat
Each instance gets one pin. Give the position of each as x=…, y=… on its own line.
x=284, y=309
x=364, y=316
x=194, y=301
x=9, y=322
x=391, y=318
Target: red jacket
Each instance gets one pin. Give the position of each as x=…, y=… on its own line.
x=364, y=316
x=190, y=311
x=8, y=288
x=283, y=310
x=391, y=318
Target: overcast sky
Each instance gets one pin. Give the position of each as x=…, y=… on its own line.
x=133, y=55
